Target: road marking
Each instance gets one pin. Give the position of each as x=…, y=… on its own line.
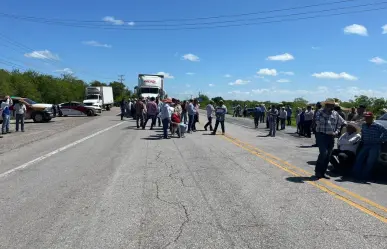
x=327, y=182
x=323, y=188
x=23, y=166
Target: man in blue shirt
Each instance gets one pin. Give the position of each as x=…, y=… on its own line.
x=257, y=115
x=220, y=113
x=6, y=114
x=373, y=135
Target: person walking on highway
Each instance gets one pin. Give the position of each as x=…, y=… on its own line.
x=210, y=112
x=289, y=113
x=263, y=114
x=308, y=121
x=373, y=135
x=191, y=115
x=282, y=115
x=152, y=109
x=159, y=105
x=220, y=113
x=196, y=117
x=328, y=123
x=140, y=112
x=272, y=120
x=318, y=108
x=166, y=114
x=6, y=114
x=257, y=115
x=20, y=111
x=133, y=109
x=184, y=107
x=123, y=108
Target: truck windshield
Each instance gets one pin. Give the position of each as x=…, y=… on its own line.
x=92, y=96
x=149, y=90
x=29, y=101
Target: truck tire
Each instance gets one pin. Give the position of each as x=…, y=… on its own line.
x=90, y=113
x=108, y=108
x=38, y=117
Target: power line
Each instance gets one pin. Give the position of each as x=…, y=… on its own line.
x=240, y=24
x=183, y=19
x=121, y=78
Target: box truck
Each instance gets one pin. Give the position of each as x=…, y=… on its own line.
x=99, y=96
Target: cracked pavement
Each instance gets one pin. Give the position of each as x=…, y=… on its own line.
x=124, y=188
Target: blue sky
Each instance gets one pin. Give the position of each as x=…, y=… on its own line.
x=337, y=56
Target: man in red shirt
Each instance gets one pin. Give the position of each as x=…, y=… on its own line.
x=152, y=110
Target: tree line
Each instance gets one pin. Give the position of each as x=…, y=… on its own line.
x=44, y=88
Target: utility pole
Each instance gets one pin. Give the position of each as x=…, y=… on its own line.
x=121, y=78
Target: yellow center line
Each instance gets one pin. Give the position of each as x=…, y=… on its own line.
x=327, y=182
x=323, y=188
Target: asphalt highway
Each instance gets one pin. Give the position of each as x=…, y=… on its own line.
x=105, y=184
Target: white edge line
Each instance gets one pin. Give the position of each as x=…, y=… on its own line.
x=23, y=166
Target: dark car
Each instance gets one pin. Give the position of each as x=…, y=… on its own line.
x=74, y=108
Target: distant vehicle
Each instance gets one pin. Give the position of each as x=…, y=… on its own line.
x=35, y=111
x=78, y=109
x=99, y=96
x=150, y=85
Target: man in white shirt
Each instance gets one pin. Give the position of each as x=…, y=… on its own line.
x=344, y=156
x=20, y=110
x=166, y=112
x=210, y=111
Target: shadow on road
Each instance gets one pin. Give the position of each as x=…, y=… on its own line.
x=301, y=179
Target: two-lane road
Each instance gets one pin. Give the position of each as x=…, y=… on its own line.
x=105, y=184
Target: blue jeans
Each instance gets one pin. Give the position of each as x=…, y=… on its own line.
x=184, y=117
x=365, y=160
x=5, y=125
x=272, y=126
x=20, y=120
x=190, y=122
x=165, y=127
x=325, y=145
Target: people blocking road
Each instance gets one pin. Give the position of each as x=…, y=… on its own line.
x=20, y=111
x=210, y=110
x=220, y=113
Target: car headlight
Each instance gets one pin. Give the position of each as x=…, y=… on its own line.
x=48, y=109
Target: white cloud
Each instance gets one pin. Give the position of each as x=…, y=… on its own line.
x=384, y=29
x=190, y=57
x=96, y=44
x=131, y=23
x=43, y=55
x=356, y=29
x=211, y=85
x=189, y=73
x=166, y=75
x=227, y=75
x=332, y=75
x=283, y=81
x=267, y=71
x=237, y=92
x=281, y=57
x=287, y=73
x=64, y=70
x=316, y=48
x=239, y=82
x=378, y=60
x=112, y=20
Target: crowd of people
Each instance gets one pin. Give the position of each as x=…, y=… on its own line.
x=175, y=116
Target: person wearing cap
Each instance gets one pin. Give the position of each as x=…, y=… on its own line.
x=372, y=137
x=344, y=156
x=328, y=123
x=210, y=112
x=165, y=115
x=220, y=113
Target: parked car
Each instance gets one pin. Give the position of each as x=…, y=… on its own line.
x=35, y=111
x=383, y=154
x=74, y=108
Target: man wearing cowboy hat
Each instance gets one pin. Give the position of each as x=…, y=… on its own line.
x=344, y=156
x=328, y=124
x=166, y=113
x=373, y=135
